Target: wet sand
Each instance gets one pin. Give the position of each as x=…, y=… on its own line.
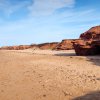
x=47, y=75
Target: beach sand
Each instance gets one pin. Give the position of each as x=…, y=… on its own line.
x=48, y=75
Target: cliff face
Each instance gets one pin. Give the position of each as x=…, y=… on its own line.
x=92, y=33
x=87, y=44
x=20, y=47
x=48, y=45
x=40, y=46
x=65, y=45
x=91, y=42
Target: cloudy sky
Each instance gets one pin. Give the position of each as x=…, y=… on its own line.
x=39, y=21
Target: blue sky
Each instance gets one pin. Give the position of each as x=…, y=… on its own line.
x=39, y=21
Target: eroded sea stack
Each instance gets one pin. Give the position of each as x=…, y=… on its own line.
x=90, y=42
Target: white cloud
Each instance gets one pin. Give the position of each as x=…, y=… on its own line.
x=8, y=8
x=80, y=16
x=36, y=8
x=47, y=7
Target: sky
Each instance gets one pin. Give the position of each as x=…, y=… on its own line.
x=40, y=21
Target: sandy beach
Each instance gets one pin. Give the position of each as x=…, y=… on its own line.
x=48, y=75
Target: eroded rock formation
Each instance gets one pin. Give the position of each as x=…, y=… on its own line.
x=87, y=44
x=20, y=47
x=40, y=46
x=92, y=34
x=66, y=44
x=48, y=45
x=90, y=42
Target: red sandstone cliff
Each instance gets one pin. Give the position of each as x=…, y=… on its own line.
x=66, y=44
x=40, y=46
x=88, y=44
x=91, y=42
x=92, y=33
x=48, y=45
x=20, y=47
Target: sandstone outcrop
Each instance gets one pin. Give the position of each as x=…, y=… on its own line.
x=92, y=34
x=34, y=46
x=66, y=44
x=20, y=47
x=48, y=45
x=87, y=44
x=90, y=42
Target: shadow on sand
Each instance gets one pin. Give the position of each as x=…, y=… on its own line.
x=90, y=96
x=94, y=59
x=65, y=54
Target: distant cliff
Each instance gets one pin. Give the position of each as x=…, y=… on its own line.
x=39, y=46
x=87, y=44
